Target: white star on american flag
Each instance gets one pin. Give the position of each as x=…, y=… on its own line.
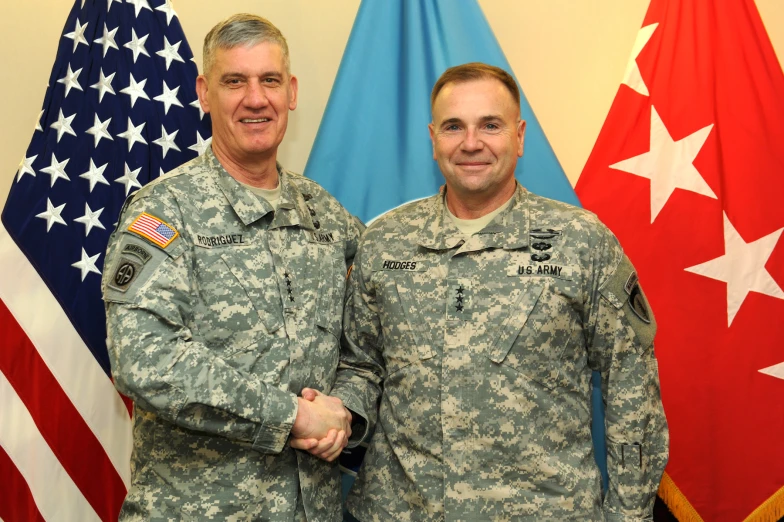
x=99, y=130
x=77, y=35
x=136, y=45
x=201, y=145
x=90, y=219
x=87, y=264
x=133, y=134
x=139, y=5
x=167, y=8
x=26, y=167
x=107, y=40
x=104, y=85
x=168, y=97
x=63, y=125
x=135, y=89
x=95, y=175
x=166, y=141
x=129, y=179
x=56, y=169
x=71, y=80
x=52, y=215
x=170, y=52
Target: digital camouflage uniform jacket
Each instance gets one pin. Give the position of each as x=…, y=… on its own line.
x=481, y=353
x=219, y=312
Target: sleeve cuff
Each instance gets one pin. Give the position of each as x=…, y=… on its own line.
x=278, y=412
x=618, y=517
x=359, y=419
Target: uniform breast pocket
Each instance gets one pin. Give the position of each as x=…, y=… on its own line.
x=234, y=286
x=532, y=338
x=403, y=305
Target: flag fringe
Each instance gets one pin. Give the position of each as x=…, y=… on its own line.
x=676, y=501
x=771, y=510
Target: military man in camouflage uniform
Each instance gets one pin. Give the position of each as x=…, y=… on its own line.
x=224, y=289
x=476, y=317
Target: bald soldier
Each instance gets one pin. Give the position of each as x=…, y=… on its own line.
x=474, y=320
x=224, y=291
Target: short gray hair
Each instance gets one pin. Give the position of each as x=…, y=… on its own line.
x=242, y=29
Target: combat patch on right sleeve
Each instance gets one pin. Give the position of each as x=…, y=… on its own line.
x=623, y=290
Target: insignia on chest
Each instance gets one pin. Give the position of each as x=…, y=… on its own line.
x=541, y=241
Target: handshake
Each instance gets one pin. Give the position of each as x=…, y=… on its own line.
x=323, y=425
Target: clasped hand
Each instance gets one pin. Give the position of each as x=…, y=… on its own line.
x=323, y=425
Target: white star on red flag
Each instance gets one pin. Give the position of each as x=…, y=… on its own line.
x=705, y=238
x=632, y=76
x=742, y=267
x=668, y=164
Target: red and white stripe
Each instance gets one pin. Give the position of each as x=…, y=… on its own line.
x=65, y=432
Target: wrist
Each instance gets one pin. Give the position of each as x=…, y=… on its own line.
x=301, y=426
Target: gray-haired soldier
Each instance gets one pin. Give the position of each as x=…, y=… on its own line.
x=476, y=317
x=224, y=288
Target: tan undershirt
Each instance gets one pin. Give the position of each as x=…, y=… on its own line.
x=272, y=196
x=469, y=227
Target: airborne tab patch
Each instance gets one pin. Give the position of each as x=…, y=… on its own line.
x=137, y=251
x=153, y=229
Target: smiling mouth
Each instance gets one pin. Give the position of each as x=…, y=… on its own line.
x=473, y=165
x=256, y=120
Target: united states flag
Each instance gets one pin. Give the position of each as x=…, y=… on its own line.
x=119, y=111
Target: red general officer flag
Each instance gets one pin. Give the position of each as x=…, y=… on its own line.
x=688, y=171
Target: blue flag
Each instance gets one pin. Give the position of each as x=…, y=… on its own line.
x=120, y=109
x=373, y=150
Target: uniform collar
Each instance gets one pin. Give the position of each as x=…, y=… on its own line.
x=292, y=209
x=508, y=230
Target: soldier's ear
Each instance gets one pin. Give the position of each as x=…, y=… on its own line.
x=432, y=130
x=293, y=88
x=201, y=91
x=520, y=137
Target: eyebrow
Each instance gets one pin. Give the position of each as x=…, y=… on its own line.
x=236, y=74
x=483, y=119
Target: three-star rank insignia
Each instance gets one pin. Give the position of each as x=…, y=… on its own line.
x=459, y=298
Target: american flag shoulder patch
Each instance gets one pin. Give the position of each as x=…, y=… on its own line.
x=152, y=228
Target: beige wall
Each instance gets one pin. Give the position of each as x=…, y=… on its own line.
x=569, y=56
